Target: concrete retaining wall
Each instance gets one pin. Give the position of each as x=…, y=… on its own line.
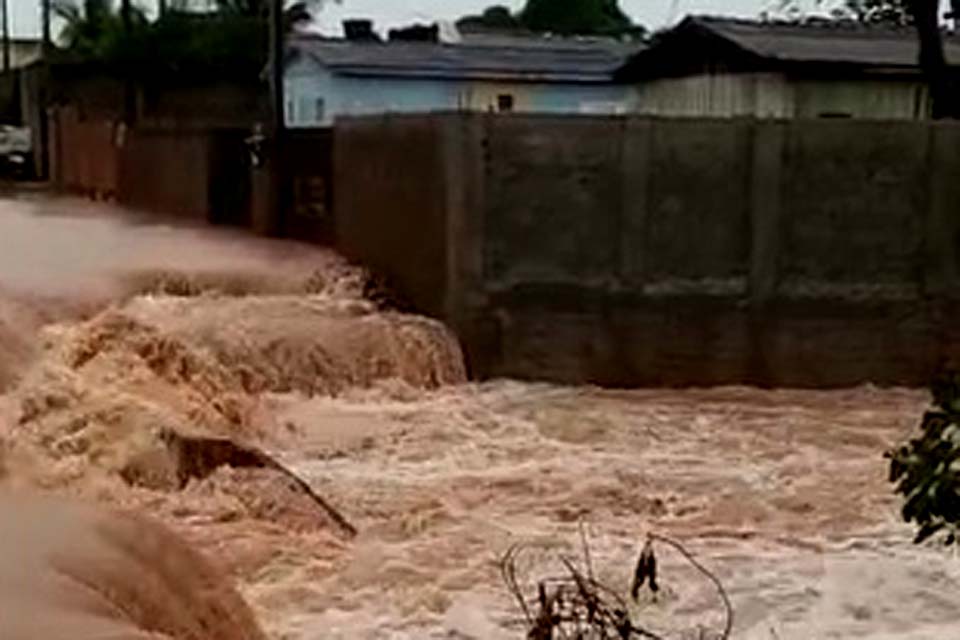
x=632, y=251
x=390, y=185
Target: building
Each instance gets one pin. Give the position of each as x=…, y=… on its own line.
x=24, y=51
x=825, y=69
x=326, y=78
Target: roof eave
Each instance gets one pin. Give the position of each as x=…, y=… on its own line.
x=444, y=75
x=846, y=69
x=633, y=69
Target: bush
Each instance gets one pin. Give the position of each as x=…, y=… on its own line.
x=926, y=468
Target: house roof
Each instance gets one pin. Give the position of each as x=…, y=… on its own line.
x=828, y=41
x=823, y=43
x=527, y=60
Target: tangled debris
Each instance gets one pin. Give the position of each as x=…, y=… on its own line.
x=576, y=606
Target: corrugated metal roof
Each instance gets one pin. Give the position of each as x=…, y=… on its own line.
x=535, y=60
x=867, y=45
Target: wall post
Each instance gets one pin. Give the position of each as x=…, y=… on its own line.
x=634, y=208
x=942, y=227
x=766, y=209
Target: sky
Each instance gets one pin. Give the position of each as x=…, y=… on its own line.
x=650, y=13
x=25, y=14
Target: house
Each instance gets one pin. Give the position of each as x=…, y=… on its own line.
x=725, y=68
x=24, y=51
x=325, y=78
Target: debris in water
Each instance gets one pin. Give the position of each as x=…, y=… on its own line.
x=646, y=570
x=580, y=607
x=185, y=458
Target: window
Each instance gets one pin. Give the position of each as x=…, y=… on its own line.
x=319, y=110
x=504, y=103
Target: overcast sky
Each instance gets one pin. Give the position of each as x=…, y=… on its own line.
x=651, y=13
x=25, y=14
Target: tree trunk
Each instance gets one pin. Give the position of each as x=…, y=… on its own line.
x=933, y=62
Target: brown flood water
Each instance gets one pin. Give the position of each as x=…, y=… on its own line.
x=782, y=493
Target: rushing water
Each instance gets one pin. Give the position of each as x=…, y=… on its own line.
x=110, y=328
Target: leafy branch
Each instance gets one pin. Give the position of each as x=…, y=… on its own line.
x=925, y=469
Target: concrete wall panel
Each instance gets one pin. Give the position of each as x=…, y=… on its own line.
x=390, y=195
x=854, y=200
x=652, y=252
x=553, y=193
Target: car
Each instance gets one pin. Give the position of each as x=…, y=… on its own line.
x=16, y=155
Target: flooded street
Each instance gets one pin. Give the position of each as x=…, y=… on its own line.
x=783, y=493
x=112, y=331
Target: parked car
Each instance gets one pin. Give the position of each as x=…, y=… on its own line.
x=16, y=154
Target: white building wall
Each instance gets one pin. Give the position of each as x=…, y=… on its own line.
x=315, y=97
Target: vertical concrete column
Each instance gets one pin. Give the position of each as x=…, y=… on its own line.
x=464, y=157
x=634, y=209
x=942, y=224
x=455, y=174
x=766, y=208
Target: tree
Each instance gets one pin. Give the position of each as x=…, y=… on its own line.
x=924, y=15
x=575, y=17
x=927, y=469
x=497, y=17
x=95, y=30
x=564, y=17
x=890, y=12
x=297, y=14
x=230, y=40
x=944, y=93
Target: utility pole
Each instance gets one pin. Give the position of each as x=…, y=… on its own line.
x=129, y=94
x=43, y=124
x=6, y=36
x=45, y=10
x=277, y=108
x=276, y=64
x=126, y=17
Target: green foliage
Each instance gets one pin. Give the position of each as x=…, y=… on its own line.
x=496, y=17
x=95, y=30
x=564, y=17
x=888, y=12
x=581, y=17
x=926, y=470
x=222, y=44
x=230, y=41
x=892, y=12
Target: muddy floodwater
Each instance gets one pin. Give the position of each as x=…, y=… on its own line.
x=112, y=331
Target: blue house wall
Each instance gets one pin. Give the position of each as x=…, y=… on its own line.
x=315, y=96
